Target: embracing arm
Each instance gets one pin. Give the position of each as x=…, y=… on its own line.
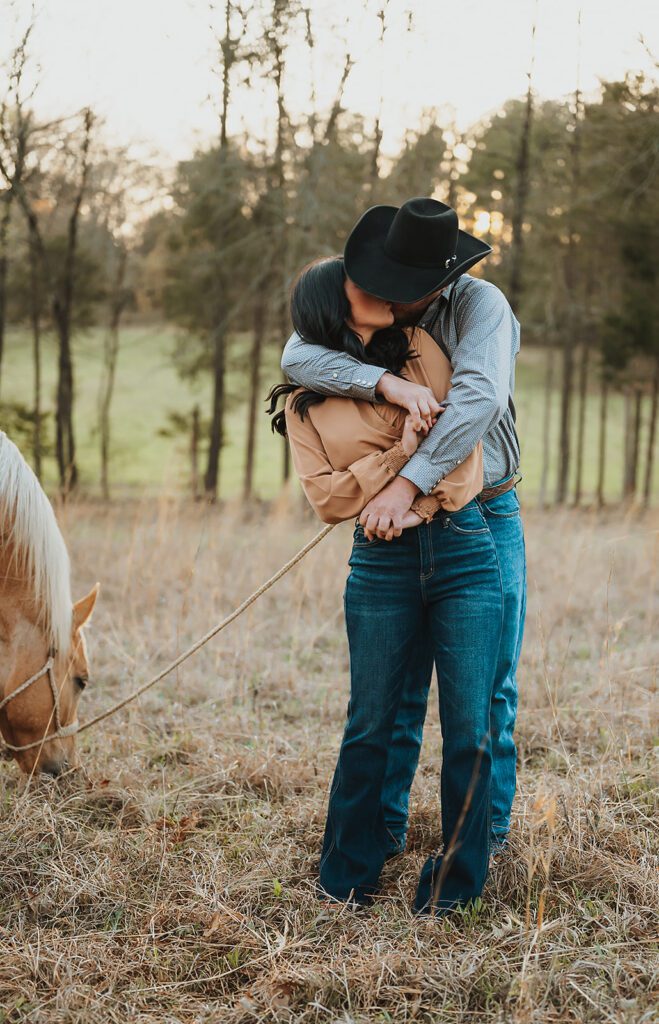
x=329, y=372
x=480, y=388
x=334, y=494
x=336, y=373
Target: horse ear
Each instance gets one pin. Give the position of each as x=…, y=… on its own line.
x=82, y=609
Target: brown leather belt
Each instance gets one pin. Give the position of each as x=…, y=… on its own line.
x=488, y=493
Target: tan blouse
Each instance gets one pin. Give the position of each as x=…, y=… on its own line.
x=346, y=450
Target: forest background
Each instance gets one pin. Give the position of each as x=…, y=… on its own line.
x=143, y=305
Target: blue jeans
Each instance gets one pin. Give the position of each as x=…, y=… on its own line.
x=442, y=579
x=503, y=518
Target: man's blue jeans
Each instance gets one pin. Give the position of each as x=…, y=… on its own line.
x=503, y=518
x=443, y=579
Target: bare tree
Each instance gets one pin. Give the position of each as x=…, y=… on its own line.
x=6, y=198
x=548, y=392
x=22, y=142
x=571, y=285
x=601, y=445
x=118, y=300
x=581, y=418
x=62, y=315
x=651, y=438
x=259, y=325
x=13, y=148
x=35, y=318
x=228, y=46
x=522, y=181
x=632, y=441
x=377, y=129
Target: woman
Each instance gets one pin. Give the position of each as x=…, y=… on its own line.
x=440, y=575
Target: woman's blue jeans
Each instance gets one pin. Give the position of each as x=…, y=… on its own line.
x=441, y=581
x=502, y=515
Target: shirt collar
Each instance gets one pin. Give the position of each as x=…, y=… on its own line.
x=433, y=308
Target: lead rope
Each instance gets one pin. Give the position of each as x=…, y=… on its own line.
x=69, y=730
x=211, y=632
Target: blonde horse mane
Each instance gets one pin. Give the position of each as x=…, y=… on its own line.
x=29, y=527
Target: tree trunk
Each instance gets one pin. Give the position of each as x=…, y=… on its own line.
x=581, y=420
x=65, y=437
x=546, y=426
x=601, y=453
x=35, y=319
x=521, y=194
x=110, y=355
x=635, y=442
x=377, y=129
x=571, y=328
x=627, y=448
x=652, y=432
x=62, y=312
x=5, y=217
x=631, y=443
x=195, y=434
x=565, y=421
x=254, y=388
x=283, y=331
x=219, y=327
x=212, y=476
x=280, y=259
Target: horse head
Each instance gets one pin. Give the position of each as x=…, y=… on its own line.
x=38, y=710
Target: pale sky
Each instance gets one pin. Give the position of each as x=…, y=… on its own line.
x=145, y=65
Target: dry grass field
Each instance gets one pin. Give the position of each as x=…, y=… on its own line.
x=171, y=879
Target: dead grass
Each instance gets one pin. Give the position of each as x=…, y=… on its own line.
x=171, y=880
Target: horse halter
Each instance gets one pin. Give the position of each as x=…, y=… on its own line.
x=61, y=731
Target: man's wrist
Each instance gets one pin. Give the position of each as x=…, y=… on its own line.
x=414, y=474
x=405, y=487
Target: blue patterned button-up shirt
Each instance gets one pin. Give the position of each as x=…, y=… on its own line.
x=473, y=322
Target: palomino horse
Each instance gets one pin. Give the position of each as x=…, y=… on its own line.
x=43, y=659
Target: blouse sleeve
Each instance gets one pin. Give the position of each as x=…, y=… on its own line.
x=336, y=494
x=455, y=490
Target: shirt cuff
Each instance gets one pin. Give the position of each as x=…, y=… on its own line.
x=426, y=506
x=418, y=475
x=364, y=381
x=426, y=476
x=395, y=458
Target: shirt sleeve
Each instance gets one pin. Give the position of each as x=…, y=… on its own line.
x=479, y=386
x=335, y=494
x=328, y=372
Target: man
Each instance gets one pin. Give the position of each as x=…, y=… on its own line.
x=473, y=323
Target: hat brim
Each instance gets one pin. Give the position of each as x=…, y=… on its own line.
x=372, y=270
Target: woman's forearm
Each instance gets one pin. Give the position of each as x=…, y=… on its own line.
x=337, y=495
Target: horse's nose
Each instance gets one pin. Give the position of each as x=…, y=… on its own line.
x=54, y=768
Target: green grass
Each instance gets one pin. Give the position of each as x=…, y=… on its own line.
x=148, y=389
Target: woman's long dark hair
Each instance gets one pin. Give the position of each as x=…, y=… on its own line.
x=320, y=311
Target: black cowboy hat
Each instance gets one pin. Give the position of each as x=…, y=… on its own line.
x=402, y=255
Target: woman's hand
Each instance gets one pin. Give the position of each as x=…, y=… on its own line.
x=414, y=432
x=417, y=399
x=410, y=518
